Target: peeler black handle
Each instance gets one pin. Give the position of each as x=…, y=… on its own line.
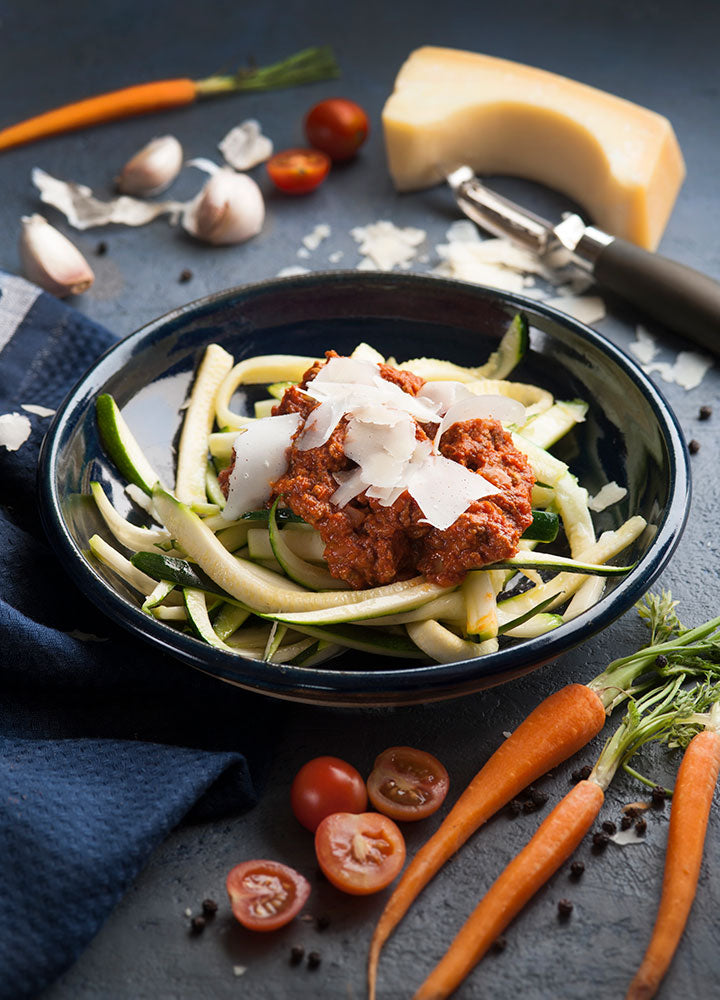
x=679, y=297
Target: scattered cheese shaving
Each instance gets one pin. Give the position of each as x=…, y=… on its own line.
x=610, y=493
x=336, y=256
x=239, y=970
x=629, y=836
x=303, y=252
x=507, y=734
x=687, y=371
x=292, y=270
x=463, y=231
x=84, y=211
x=245, y=146
x=385, y=246
x=585, y=308
x=39, y=411
x=313, y=239
x=14, y=430
x=644, y=347
x=188, y=912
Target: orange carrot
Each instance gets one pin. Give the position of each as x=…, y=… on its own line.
x=554, y=842
x=136, y=100
x=689, y=814
x=302, y=67
x=560, y=726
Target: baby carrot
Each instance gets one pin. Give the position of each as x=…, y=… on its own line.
x=303, y=67
x=560, y=726
x=689, y=814
x=136, y=100
x=554, y=842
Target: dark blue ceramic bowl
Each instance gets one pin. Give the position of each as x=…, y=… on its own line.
x=630, y=436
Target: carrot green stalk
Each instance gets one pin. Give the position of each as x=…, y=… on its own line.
x=303, y=67
x=689, y=815
x=559, y=727
x=552, y=845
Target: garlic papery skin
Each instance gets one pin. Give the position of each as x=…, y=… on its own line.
x=50, y=260
x=153, y=168
x=229, y=209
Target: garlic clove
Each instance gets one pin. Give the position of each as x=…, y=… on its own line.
x=229, y=209
x=50, y=260
x=153, y=168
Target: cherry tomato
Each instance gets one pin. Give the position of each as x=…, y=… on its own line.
x=407, y=784
x=359, y=853
x=338, y=127
x=298, y=171
x=323, y=786
x=266, y=895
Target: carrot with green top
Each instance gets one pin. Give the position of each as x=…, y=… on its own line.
x=560, y=726
x=557, y=837
x=689, y=816
x=159, y=95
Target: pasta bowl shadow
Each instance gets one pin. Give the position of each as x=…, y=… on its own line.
x=629, y=436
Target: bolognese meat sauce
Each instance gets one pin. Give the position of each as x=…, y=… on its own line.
x=368, y=544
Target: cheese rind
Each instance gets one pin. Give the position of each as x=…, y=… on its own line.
x=618, y=160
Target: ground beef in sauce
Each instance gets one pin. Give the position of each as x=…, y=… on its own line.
x=369, y=545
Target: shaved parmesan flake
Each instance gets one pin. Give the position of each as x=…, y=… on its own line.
x=303, y=253
x=501, y=408
x=585, y=308
x=14, y=430
x=336, y=256
x=83, y=210
x=644, y=347
x=629, y=836
x=292, y=270
x=245, y=146
x=463, y=231
x=610, y=493
x=385, y=245
x=443, y=490
x=690, y=368
x=313, y=239
x=239, y=970
x=260, y=457
x=39, y=411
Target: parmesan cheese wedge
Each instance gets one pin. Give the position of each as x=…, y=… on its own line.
x=618, y=160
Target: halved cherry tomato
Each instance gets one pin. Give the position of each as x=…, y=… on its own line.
x=359, y=853
x=298, y=171
x=407, y=784
x=323, y=786
x=337, y=126
x=266, y=895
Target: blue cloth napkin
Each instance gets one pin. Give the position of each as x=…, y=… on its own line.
x=104, y=745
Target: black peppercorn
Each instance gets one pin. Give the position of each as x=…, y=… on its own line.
x=101, y=248
x=693, y=446
x=322, y=922
x=705, y=413
x=313, y=960
x=576, y=869
x=297, y=953
x=197, y=924
x=499, y=944
x=609, y=827
x=626, y=822
x=209, y=907
x=565, y=908
x=640, y=826
x=661, y=661
x=659, y=795
x=600, y=841
x=185, y=275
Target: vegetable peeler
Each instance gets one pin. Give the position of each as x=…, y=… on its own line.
x=679, y=297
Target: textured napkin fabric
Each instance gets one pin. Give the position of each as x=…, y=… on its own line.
x=105, y=744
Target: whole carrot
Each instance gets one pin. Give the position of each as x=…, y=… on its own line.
x=689, y=814
x=559, y=727
x=303, y=67
x=554, y=842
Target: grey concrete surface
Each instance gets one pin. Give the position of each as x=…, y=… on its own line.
x=660, y=54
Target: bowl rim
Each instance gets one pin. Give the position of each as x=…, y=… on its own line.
x=401, y=685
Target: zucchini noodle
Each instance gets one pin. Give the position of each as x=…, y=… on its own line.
x=257, y=585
